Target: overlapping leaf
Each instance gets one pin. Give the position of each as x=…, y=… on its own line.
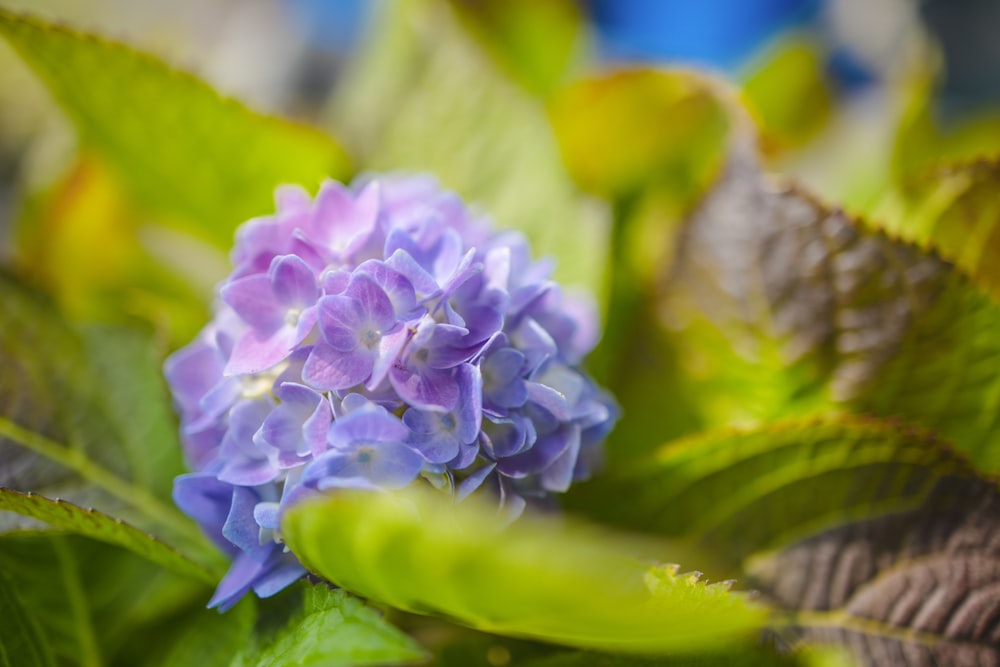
x=209, y=639
x=787, y=306
x=873, y=536
x=62, y=515
x=547, y=579
x=95, y=604
x=335, y=629
x=953, y=209
x=21, y=641
x=82, y=418
x=207, y=161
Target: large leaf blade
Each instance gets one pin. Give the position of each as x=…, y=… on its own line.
x=21, y=640
x=872, y=535
x=787, y=306
x=207, y=161
x=95, y=603
x=757, y=489
x=540, y=578
x=335, y=629
x=66, y=516
x=62, y=435
x=953, y=209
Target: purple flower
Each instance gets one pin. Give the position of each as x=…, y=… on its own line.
x=374, y=337
x=367, y=451
x=357, y=328
x=279, y=308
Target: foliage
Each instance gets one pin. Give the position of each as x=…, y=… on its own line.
x=810, y=399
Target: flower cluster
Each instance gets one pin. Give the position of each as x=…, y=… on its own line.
x=371, y=337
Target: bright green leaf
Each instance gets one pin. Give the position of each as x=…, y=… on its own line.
x=22, y=643
x=549, y=579
x=69, y=517
x=206, y=161
x=473, y=129
x=337, y=629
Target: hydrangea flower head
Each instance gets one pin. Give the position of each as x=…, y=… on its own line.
x=374, y=337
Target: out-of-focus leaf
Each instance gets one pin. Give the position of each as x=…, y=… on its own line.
x=66, y=516
x=547, y=579
x=920, y=587
x=953, y=209
x=925, y=141
x=64, y=434
x=22, y=643
x=622, y=132
x=786, y=306
x=536, y=43
x=210, y=639
x=745, y=657
x=875, y=537
x=788, y=94
x=82, y=242
x=93, y=601
x=752, y=490
x=653, y=140
x=335, y=629
x=423, y=96
x=207, y=161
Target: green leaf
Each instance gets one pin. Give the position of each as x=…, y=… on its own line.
x=924, y=142
x=788, y=94
x=472, y=128
x=95, y=603
x=22, y=643
x=633, y=129
x=85, y=243
x=785, y=306
x=738, y=492
x=64, y=433
x=66, y=516
x=210, y=639
x=953, y=209
x=205, y=160
x=874, y=536
x=542, y=578
x=536, y=44
x=748, y=656
x=335, y=629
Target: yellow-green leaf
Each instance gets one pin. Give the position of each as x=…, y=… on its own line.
x=206, y=161
x=545, y=578
x=622, y=132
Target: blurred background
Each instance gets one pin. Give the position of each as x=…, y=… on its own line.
x=594, y=126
